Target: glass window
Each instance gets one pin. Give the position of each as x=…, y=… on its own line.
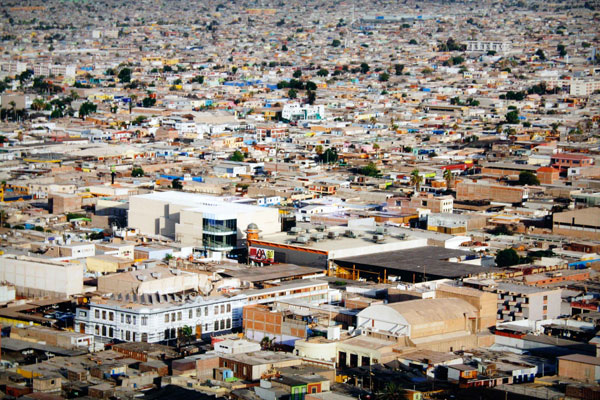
x=111, y=316
x=216, y=310
x=97, y=314
x=179, y=316
x=191, y=314
x=228, y=307
x=122, y=318
x=198, y=311
x=205, y=311
x=166, y=317
x=222, y=324
x=128, y=335
x=228, y=323
x=134, y=320
x=222, y=308
x=216, y=325
x=144, y=320
x=128, y=318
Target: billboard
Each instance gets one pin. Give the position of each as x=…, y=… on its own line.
x=262, y=255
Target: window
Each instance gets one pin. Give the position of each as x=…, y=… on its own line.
x=103, y=314
x=97, y=330
x=122, y=318
x=111, y=316
x=191, y=314
x=216, y=325
x=97, y=314
x=134, y=320
x=228, y=323
x=198, y=311
x=222, y=324
x=228, y=307
x=166, y=317
x=222, y=308
x=128, y=318
x=128, y=335
x=205, y=311
x=111, y=332
x=545, y=308
x=216, y=310
x=173, y=317
x=103, y=330
x=144, y=320
x=179, y=316
x=546, y=298
x=205, y=327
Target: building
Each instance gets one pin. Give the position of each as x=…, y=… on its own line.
x=584, y=87
x=518, y=302
x=152, y=318
x=213, y=224
x=36, y=277
x=252, y=366
x=159, y=280
x=297, y=111
x=567, y=160
x=280, y=327
x=440, y=324
x=455, y=224
x=580, y=367
x=547, y=175
x=484, y=190
x=104, y=264
x=583, y=223
x=486, y=46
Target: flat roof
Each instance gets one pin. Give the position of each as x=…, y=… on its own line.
x=428, y=260
x=272, y=272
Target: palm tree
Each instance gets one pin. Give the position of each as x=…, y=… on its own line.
x=38, y=104
x=448, y=176
x=391, y=391
x=132, y=100
x=416, y=179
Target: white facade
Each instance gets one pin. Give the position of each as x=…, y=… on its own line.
x=585, y=87
x=214, y=223
x=479, y=45
x=297, y=111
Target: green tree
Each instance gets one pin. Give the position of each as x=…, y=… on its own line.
x=310, y=85
x=336, y=43
x=284, y=48
x=292, y=93
x=540, y=54
x=562, y=51
x=364, y=68
x=507, y=257
x=148, y=102
x=329, y=156
x=87, y=108
x=125, y=75
x=384, y=77
x=297, y=74
x=399, y=68
x=416, y=179
x=237, y=156
x=370, y=170
x=322, y=72
x=176, y=184
x=512, y=117
x=528, y=178
x=136, y=172
x=312, y=96
x=391, y=391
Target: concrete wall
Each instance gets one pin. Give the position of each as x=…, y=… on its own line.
x=33, y=278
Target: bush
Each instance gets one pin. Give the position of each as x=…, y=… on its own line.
x=507, y=257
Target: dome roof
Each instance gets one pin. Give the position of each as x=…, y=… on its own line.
x=252, y=226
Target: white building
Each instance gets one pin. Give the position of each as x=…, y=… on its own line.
x=584, y=87
x=156, y=318
x=297, y=111
x=481, y=45
x=216, y=224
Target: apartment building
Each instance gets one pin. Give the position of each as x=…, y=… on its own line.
x=484, y=190
x=583, y=223
x=518, y=302
x=483, y=45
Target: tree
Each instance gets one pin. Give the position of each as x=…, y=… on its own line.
x=370, y=170
x=416, y=179
x=448, y=177
x=391, y=391
x=336, y=43
x=86, y=108
x=297, y=74
x=176, y=184
x=125, y=75
x=187, y=334
x=322, y=72
x=319, y=149
x=136, y=172
x=528, y=178
x=512, y=117
x=312, y=96
x=364, y=68
x=292, y=93
x=384, y=77
x=237, y=156
x=507, y=257
x=562, y=51
x=148, y=102
x=329, y=156
x=310, y=85
x=540, y=54
x=38, y=104
x=284, y=48
x=399, y=68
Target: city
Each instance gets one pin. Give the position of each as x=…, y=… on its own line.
x=282, y=200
